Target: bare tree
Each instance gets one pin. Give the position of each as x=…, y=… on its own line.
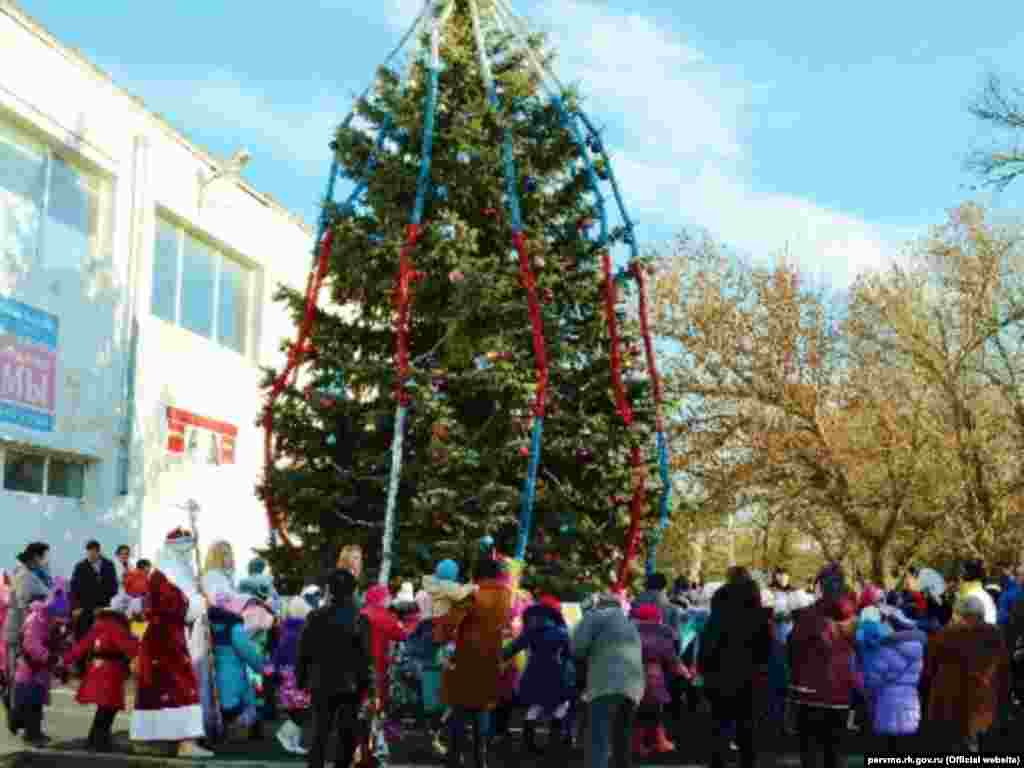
x=1000, y=107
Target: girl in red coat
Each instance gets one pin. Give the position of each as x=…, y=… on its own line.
x=110, y=647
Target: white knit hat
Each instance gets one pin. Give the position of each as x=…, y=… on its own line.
x=406, y=594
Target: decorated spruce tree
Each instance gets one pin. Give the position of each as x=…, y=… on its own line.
x=472, y=378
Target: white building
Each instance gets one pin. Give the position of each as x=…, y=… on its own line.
x=134, y=316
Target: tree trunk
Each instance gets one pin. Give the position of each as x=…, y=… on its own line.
x=880, y=564
x=698, y=545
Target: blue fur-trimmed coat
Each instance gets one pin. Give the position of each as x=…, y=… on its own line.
x=234, y=653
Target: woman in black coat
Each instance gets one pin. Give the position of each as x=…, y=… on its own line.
x=334, y=663
x=734, y=657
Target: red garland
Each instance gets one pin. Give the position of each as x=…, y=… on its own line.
x=296, y=354
x=403, y=295
x=536, y=323
x=636, y=509
x=645, y=331
x=613, y=333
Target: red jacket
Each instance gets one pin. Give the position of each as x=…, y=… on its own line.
x=821, y=658
x=111, y=647
x=385, y=628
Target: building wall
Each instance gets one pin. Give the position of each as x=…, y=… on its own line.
x=111, y=404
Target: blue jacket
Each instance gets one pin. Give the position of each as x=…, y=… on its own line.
x=233, y=652
x=1010, y=595
x=547, y=679
x=892, y=664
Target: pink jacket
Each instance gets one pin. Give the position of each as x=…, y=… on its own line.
x=35, y=666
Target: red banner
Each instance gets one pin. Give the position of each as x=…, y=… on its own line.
x=203, y=440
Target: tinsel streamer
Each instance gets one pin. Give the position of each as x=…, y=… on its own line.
x=621, y=402
x=529, y=283
x=636, y=511
x=295, y=354
x=662, y=443
x=407, y=274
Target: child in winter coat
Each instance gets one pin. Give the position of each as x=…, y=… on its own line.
x=385, y=629
x=442, y=590
x=547, y=684
x=235, y=654
x=660, y=663
x=111, y=647
x=36, y=663
x=294, y=701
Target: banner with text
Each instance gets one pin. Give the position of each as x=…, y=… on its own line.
x=28, y=366
x=199, y=439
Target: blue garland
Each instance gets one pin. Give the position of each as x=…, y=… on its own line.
x=422, y=185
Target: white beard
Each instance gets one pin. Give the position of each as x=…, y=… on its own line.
x=175, y=562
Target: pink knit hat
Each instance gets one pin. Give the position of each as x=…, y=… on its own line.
x=377, y=596
x=872, y=595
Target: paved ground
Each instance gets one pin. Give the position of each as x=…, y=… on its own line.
x=67, y=723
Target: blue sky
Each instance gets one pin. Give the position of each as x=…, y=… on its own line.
x=839, y=130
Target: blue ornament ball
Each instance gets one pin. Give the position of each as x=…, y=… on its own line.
x=463, y=157
x=448, y=231
x=530, y=184
x=441, y=192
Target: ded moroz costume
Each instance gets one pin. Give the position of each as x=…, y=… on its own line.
x=167, y=704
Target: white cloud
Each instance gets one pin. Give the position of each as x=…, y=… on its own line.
x=300, y=132
x=677, y=128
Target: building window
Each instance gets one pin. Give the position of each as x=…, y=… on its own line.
x=48, y=475
x=199, y=288
x=24, y=472
x=65, y=478
x=50, y=209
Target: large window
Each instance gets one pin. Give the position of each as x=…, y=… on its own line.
x=200, y=288
x=50, y=209
x=37, y=473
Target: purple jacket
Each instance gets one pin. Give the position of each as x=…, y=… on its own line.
x=544, y=681
x=892, y=671
x=34, y=666
x=659, y=644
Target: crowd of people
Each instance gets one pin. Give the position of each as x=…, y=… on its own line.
x=216, y=657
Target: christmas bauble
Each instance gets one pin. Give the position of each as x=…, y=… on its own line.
x=463, y=157
x=530, y=184
x=524, y=451
x=456, y=276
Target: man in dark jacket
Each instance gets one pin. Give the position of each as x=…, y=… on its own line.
x=333, y=664
x=93, y=586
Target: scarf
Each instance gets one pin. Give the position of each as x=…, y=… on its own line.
x=44, y=576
